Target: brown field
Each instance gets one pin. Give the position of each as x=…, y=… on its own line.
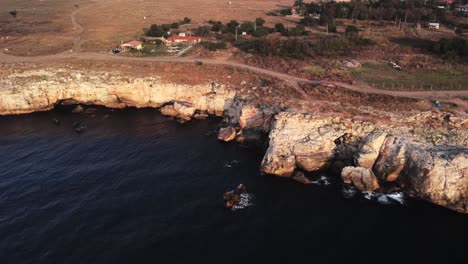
x=45, y=27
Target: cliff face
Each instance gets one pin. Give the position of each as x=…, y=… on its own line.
x=32, y=91
x=372, y=155
x=424, y=154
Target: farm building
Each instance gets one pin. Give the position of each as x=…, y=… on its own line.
x=433, y=25
x=131, y=45
x=462, y=8
x=174, y=40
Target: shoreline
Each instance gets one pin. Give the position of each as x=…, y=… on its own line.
x=368, y=146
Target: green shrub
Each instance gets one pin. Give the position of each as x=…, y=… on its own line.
x=260, y=32
x=280, y=28
x=259, y=21
x=451, y=47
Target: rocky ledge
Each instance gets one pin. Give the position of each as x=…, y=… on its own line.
x=424, y=154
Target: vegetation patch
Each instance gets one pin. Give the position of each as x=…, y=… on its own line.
x=382, y=75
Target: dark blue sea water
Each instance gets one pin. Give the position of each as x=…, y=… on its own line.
x=137, y=187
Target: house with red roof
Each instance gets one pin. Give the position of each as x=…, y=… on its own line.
x=131, y=45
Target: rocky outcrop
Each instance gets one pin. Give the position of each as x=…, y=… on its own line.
x=305, y=142
x=40, y=90
x=370, y=156
x=402, y=153
x=370, y=149
x=362, y=178
x=227, y=133
x=437, y=174
x=182, y=110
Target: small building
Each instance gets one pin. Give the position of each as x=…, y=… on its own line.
x=182, y=35
x=131, y=45
x=433, y=25
x=174, y=40
x=462, y=8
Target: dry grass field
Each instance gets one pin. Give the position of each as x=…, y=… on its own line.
x=45, y=27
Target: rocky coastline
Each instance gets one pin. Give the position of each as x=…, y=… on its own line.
x=422, y=153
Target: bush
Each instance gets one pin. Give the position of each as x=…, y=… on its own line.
x=308, y=21
x=187, y=20
x=217, y=26
x=288, y=48
x=260, y=32
x=451, y=47
x=175, y=25
x=280, y=28
x=202, y=31
x=285, y=12
x=259, y=21
x=248, y=27
x=13, y=13
x=213, y=46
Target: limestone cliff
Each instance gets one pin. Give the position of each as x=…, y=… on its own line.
x=373, y=154
x=40, y=90
x=425, y=154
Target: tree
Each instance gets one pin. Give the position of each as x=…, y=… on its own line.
x=280, y=28
x=232, y=25
x=248, y=27
x=259, y=21
x=217, y=26
x=156, y=31
x=351, y=31
x=187, y=20
x=175, y=25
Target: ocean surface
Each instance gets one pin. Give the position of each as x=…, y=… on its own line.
x=137, y=187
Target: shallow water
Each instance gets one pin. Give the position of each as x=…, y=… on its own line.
x=137, y=187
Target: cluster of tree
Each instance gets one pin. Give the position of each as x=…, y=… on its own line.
x=409, y=10
x=454, y=47
x=296, y=48
x=163, y=30
x=299, y=30
x=256, y=28
x=213, y=46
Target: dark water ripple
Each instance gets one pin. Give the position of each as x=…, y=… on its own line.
x=139, y=188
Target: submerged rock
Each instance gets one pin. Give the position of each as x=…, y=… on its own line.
x=299, y=176
x=238, y=198
x=78, y=109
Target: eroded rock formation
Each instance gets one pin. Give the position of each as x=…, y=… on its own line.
x=431, y=164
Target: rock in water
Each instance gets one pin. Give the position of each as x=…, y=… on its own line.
x=78, y=109
x=363, y=178
x=227, y=133
x=56, y=121
x=300, y=177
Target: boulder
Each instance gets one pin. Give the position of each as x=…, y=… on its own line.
x=391, y=159
x=438, y=175
x=369, y=149
x=227, y=133
x=184, y=109
x=362, y=178
x=169, y=110
x=78, y=109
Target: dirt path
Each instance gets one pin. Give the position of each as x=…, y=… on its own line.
x=81, y=29
x=292, y=80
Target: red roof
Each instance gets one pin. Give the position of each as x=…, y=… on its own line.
x=174, y=38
